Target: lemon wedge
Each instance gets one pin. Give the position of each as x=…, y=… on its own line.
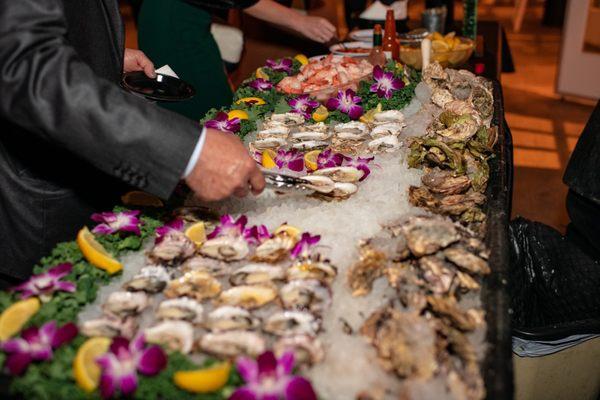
x=17, y=315
x=268, y=159
x=320, y=114
x=141, y=199
x=241, y=114
x=301, y=58
x=85, y=369
x=95, y=253
x=290, y=230
x=251, y=101
x=310, y=159
x=203, y=380
x=196, y=233
x=369, y=116
x=261, y=74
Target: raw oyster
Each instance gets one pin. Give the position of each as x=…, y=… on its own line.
x=386, y=144
x=195, y=284
x=233, y=343
x=197, y=214
x=275, y=249
x=389, y=128
x=385, y=117
x=253, y=296
x=341, y=174
x=466, y=281
x=426, y=235
x=174, y=335
x=150, y=279
x=227, y=318
x=351, y=135
x=371, y=265
x=256, y=274
x=448, y=308
x=310, y=145
x=356, y=127
x=321, y=184
x=466, y=260
x=204, y=264
x=303, y=136
x=307, y=350
x=305, y=295
x=172, y=248
x=437, y=274
x=226, y=248
x=123, y=304
x=288, y=119
x=269, y=143
x=318, y=127
x=280, y=132
x=290, y=323
x=110, y=327
x=343, y=190
x=182, y=308
x=321, y=270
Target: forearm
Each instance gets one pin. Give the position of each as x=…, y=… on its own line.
x=273, y=12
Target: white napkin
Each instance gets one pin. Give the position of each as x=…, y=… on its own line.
x=230, y=41
x=377, y=11
x=166, y=70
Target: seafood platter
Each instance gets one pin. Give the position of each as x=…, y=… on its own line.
x=380, y=280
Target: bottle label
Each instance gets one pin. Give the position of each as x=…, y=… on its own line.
x=388, y=55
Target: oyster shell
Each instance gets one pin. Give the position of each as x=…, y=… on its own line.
x=303, y=136
x=305, y=295
x=307, y=350
x=437, y=274
x=181, y=308
x=351, y=135
x=256, y=274
x=195, y=284
x=356, y=127
x=290, y=323
x=427, y=235
x=233, y=343
x=466, y=260
x=123, y=304
x=389, y=128
x=150, y=279
x=280, y=132
x=321, y=270
x=445, y=182
x=174, y=335
x=318, y=127
x=448, y=308
x=227, y=318
x=385, y=117
x=288, y=119
x=226, y=248
x=110, y=327
x=321, y=184
x=341, y=174
x=253, y=296
x=212, y=266
x=440, y=97
x=371, y=265
x=173, y=248
x=269, y=143
x=310, y=145
x=382, y=144
x=343, y=190
x=434, y=75
x=274, y=249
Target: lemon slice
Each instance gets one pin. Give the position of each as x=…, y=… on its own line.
x=301, y=58
x=440, y=46
x=437, y=36
x=141, y=199
x=95, y=253
x=85, y=369
x=196, y=233
x=241, y=114
x=369, y=116
x=261, y=74
x=290, y=230
x=17, y=315
x=320, y=114
x=203, y=380
x=310, y=159
x=268, y=159
x=251, y=100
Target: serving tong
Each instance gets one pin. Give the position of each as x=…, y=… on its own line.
x=279, y=181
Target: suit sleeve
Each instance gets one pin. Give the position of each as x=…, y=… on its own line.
x=223, y=4
x=48, y=90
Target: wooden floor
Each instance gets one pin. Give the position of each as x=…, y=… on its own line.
x=545, y=128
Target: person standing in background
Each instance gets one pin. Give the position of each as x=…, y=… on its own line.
x=177, y=33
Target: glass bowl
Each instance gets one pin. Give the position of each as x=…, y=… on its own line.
x=447, y=58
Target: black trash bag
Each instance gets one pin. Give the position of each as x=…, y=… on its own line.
x=553, y=283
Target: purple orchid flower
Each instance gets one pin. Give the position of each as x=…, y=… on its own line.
x=175, y=225
x=110, y=222
x=346, y=102
x=36, y=344
x=303, y=105
x=261, y=85
x=222, y=123
x=362, y=164
x=291, y=159
x=270, y=378
x=229, y=227
x=257, y=234
x=385, y=83
x=303, y=247
x=329, y=159
x=124, y=360
x=45, y=284
x=282, y=65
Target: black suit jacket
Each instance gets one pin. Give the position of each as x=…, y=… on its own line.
x=71, y=139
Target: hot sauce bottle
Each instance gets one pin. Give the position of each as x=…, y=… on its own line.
x=390, y=47
x=377, y=56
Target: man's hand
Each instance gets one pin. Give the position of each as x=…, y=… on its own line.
x=315, y=28
x=136, y=60
x=224, y=168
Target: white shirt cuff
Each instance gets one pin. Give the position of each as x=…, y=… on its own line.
x=195, y=155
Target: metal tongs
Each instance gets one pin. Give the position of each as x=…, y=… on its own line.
x=279, y=181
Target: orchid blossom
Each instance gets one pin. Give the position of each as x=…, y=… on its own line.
x=260, y=84
x=256, y=234
x=270, y=378
x=385, y=83
x=124, y=360
x=36, y=344
x=282, y=65
x=303, y=105
x=222, y=123
x=110, y=222
x=175, y=225
x=329, y=159
x=346, y=102
x=302, y=248
x=45, y=284
x=291, y=159
x=229, y=227
x=362, y=164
